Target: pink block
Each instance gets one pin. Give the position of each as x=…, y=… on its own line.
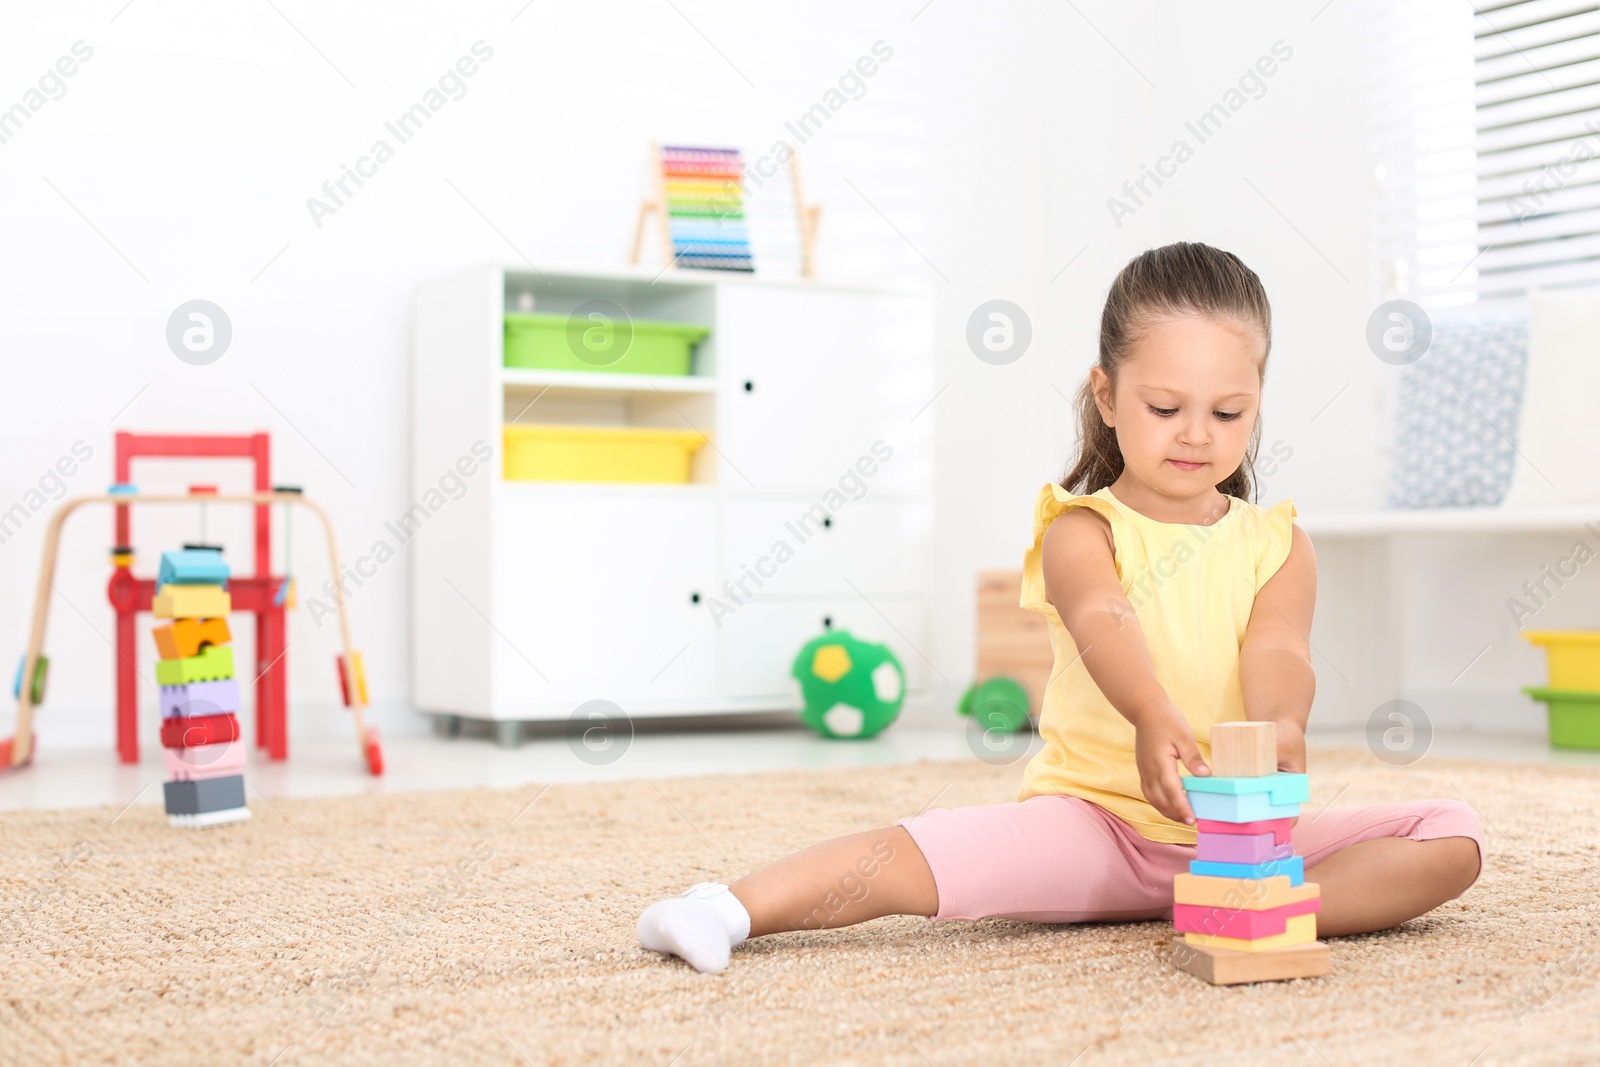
x=1241, y=923
x=1278, y=828
x=205, y=761
x=1239, y=848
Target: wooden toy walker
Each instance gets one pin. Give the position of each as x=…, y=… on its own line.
x=266, y=595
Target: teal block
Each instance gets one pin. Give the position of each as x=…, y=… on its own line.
x=1294, y=867
x=1246, y=807
x=192, y=566
x=1280, y=788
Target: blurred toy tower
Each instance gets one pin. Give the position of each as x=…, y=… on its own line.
x=199, y=693
x=1244, y=909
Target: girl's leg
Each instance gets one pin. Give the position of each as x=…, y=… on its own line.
x=1383, y=864
x=840, y=882
x=1373, y=885
x=1051, y=859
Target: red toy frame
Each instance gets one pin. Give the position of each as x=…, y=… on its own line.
x=130, y=595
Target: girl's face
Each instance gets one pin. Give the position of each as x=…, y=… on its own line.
x=1184, y=406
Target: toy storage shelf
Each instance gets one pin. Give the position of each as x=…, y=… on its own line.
x=1388, y=577
x=532, y=598
x=1446, y=520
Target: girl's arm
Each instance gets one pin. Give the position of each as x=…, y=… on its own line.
x=1080, y=577
x=1275, y=671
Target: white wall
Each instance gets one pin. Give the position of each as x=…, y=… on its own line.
x=179, y=161
x=178, y=165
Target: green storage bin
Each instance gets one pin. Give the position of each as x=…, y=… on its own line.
x=535, y=340
x=1574, y=716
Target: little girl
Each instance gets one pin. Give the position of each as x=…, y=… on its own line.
x=1173, y=604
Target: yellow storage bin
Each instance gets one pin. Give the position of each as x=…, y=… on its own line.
x=555, y=453
x=1573, y=657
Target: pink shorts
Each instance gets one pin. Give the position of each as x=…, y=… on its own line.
x=1063, y=859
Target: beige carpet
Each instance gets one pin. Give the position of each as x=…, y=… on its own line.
x=497, y=927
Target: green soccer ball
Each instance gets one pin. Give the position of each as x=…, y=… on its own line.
x=851, y=688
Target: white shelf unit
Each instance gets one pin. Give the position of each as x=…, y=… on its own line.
x=1413, y=604
x=530, y=599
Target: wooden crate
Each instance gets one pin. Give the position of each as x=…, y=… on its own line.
x=1011, y=641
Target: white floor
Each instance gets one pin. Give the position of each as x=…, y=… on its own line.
x=69, y=778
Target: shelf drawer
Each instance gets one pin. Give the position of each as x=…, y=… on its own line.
x=758, y=642
x=595, y=598
x=794, y=547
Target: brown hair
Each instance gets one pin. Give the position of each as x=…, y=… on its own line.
x=1177, y=279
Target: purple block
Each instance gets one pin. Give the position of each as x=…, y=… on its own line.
x=200, y=698
x=1240, y=848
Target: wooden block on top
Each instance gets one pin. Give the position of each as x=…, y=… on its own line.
x=191, y=602
x=1222, y=966
x=183, y=637
x=1244, y=749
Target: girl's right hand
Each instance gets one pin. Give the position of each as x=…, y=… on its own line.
x=1161, y=742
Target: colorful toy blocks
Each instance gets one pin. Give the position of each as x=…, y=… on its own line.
x=1293, y=866
x=192, y=566
x=199, y=730
x=1244, y=923
x=190, y=602
x=212, y=663
x=185, y=637
x=219, y=697
x=1227, y=893
x=1246, y=807
x=1278, y=828
x=204, y=761
x=199, y=693
x=1243, y=910
x=1243, y=848
x=1280, y=788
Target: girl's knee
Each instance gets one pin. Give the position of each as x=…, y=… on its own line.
x=1457, y=821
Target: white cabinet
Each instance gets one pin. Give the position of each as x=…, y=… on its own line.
x=815, y=384
x=601, y=597
x=799, y=548
x=809, y=506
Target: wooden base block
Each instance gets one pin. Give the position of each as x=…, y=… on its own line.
x=1223, y=966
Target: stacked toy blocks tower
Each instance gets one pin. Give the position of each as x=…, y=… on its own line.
x=199, y=693
x=1244, y=909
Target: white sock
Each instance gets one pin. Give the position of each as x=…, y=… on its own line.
x=701, y=926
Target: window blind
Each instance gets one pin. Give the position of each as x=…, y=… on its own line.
x=1487, y=136
x=1536, y=75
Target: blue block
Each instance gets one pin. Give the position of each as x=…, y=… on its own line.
x=1294, y=867
x=1246, y=807
x=192, y=566
x=1280, y=788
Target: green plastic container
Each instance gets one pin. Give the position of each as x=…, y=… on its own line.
x=538, y=341
x=1574, y=716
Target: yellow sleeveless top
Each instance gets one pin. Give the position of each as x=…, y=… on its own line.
x=1192, y=588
